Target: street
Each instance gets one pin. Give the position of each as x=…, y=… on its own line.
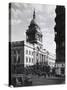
x=46, y=81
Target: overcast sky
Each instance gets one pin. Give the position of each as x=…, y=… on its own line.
x=22, y=14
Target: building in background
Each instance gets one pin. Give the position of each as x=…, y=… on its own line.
x=51, y=59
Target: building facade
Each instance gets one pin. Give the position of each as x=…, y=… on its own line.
x=27, y=54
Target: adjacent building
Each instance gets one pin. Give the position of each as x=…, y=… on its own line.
x=60, y=39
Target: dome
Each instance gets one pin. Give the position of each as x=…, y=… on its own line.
x=34, y=24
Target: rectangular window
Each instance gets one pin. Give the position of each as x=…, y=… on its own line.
x=32, y=53
x=29, y=59
x=44, y=58
x=18, y=59
x=32, y=60
x=26, y=51
x=26, y=59
x=29, y=52
x=14, y=59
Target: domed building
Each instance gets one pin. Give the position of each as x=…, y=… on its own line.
x=30, y=51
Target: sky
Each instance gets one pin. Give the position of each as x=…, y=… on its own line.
x=21, y=16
